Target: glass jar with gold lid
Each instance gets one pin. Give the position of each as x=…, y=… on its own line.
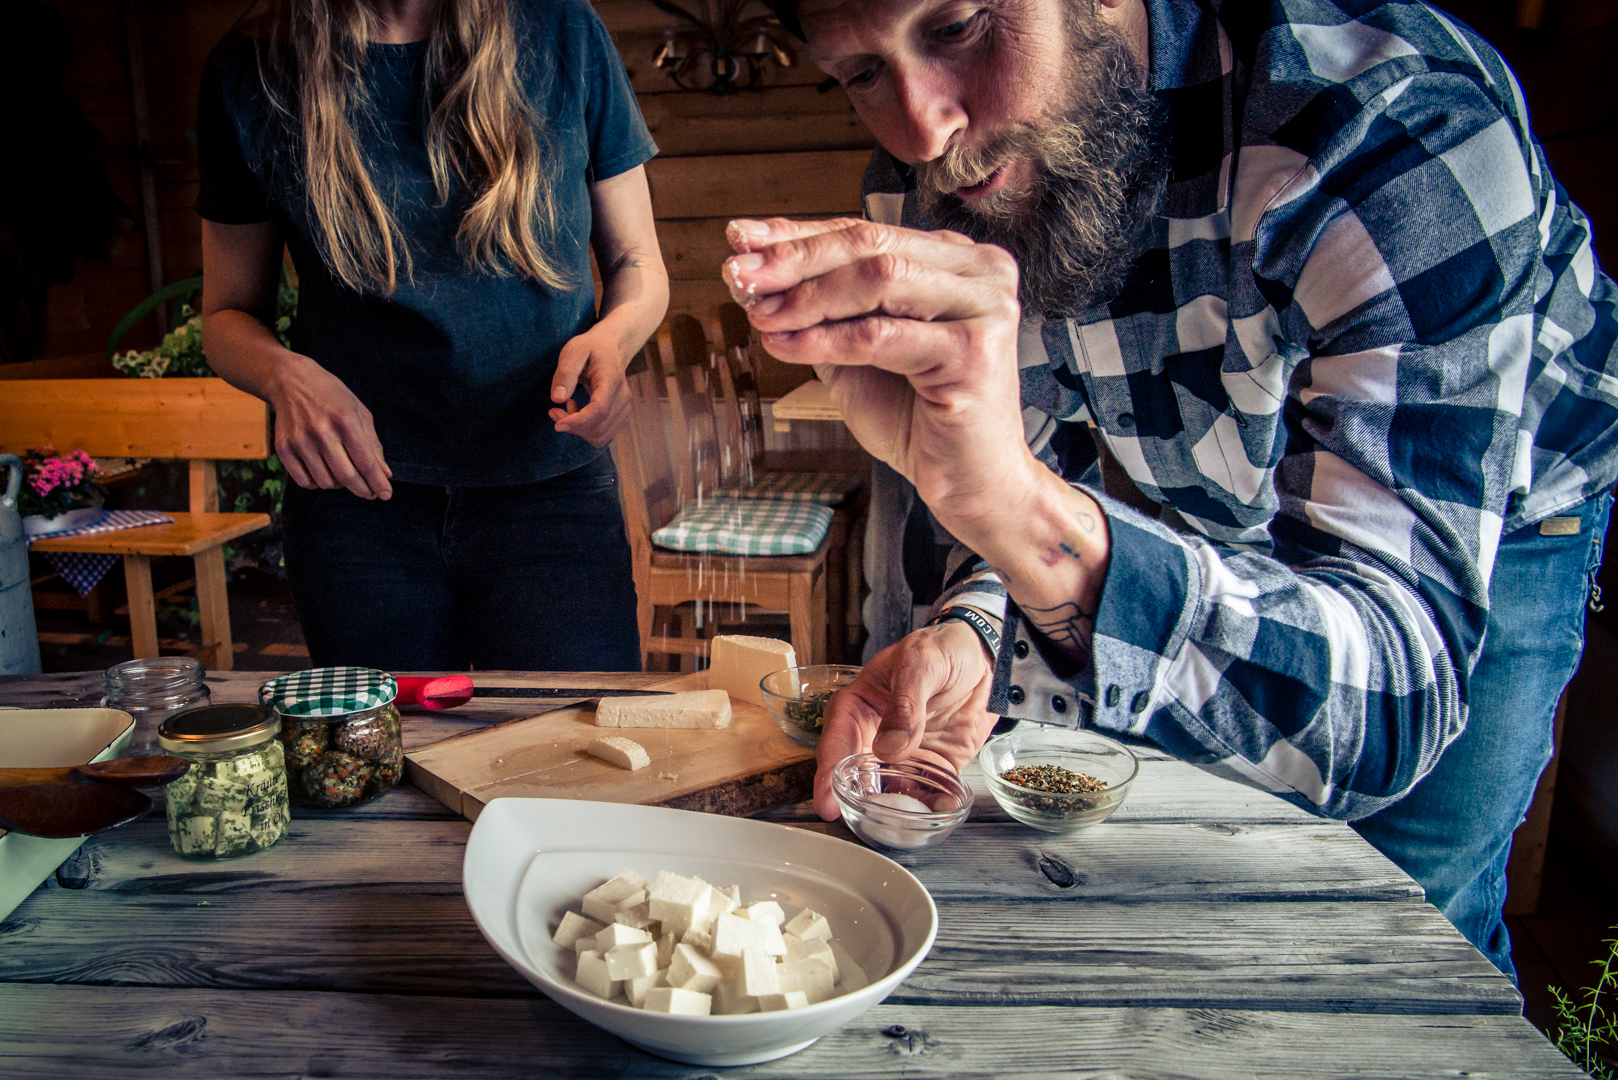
x=233, y=799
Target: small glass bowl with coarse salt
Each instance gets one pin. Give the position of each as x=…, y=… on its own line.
x=900, y=806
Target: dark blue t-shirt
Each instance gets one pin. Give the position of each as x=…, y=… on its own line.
x=455, y=366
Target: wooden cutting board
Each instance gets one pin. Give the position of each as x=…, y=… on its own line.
x=748, y=767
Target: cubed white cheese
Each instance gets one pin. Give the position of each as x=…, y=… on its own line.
x=691, y=710
x=606, y=900
x=574, y=926
x=729, y=1001
x=633, y=878
x=680, y=903
x=592, y=975
x=850, y=976
x=815, y=951
x=619, y=751
x=736, y=663
x=639, y=916
x=632, y=961
x=758, y=975
x=733, y=934
x=670, y=999
x=635, y=989
x=690, y=970
x=734, y=892
x=792, y=999
x=618, y=935
x=805, y=924
x=721, y=902
x=699, y=938
x=813, y=978
x=665, y=948
x=764, y=911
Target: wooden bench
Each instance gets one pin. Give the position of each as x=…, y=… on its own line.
x=198, y=420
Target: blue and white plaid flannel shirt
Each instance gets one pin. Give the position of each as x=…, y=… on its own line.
x=1368, y=337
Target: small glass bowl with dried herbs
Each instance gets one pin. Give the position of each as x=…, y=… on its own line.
x=1055, y=779
x=797, y=697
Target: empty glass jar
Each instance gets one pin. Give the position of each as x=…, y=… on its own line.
x=152, y=690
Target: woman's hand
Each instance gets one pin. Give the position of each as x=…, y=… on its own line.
x=596, y=359
x=324, y=435
x=927, y=695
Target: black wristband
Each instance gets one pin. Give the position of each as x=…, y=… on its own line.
x=985, y=629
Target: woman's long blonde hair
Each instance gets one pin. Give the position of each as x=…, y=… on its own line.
x=480, y=130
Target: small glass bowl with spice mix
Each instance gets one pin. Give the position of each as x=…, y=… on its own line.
x=340, y=731
x=900, y=806
x=797, y=697
x=1056, y=779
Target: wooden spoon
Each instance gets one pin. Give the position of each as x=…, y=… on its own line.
x=130, y=772
x=59, y=811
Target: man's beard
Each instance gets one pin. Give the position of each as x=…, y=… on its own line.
x=1101, y=167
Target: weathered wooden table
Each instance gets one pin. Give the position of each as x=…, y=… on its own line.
x=1207, y=930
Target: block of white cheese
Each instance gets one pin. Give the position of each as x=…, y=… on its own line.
x=606, y=900
x=574, y=926
x=622, y=752
x=804, y=925
x=669, y=999
x=592, y=975
x=736, y=663
x=792, y=999
x=690, y=710
x=635, y=961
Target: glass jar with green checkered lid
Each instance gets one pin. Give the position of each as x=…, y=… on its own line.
x=340, y=731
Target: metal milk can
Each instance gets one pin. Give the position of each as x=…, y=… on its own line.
x=19, y=639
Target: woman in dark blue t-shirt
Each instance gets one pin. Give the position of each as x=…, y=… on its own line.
x=439, y=171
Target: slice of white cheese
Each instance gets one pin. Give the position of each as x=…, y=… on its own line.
x=622, y=752
x=736, y=663
x=691, y=710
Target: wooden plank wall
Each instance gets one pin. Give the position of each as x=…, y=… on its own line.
x=719, y=153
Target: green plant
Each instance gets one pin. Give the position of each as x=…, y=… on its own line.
x=1583, y=1030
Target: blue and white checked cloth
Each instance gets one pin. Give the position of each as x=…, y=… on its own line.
x=84, y=571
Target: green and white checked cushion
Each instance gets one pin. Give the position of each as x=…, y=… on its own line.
x=328, y=691
x=832, y=489
x=746, y=527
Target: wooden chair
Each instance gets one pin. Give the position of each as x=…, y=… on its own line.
x=660, y=473
x=737, y=365
x=200, y=420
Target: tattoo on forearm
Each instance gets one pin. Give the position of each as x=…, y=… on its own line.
x=1067, y=626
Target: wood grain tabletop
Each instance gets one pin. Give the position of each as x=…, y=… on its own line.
x=1206, y=930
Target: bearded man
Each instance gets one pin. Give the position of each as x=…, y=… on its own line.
x=1302, y=269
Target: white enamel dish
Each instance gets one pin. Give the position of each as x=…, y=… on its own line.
x=530, y=860
x=42, y=739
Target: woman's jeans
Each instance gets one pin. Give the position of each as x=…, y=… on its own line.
x=1452, y=833
x=527, y=577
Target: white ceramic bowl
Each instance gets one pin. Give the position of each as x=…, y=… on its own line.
x=529, y=860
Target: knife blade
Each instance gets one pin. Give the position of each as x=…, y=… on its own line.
x=560, y=692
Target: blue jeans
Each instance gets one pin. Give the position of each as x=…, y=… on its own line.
x=527, y=577
x=1452, y=833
